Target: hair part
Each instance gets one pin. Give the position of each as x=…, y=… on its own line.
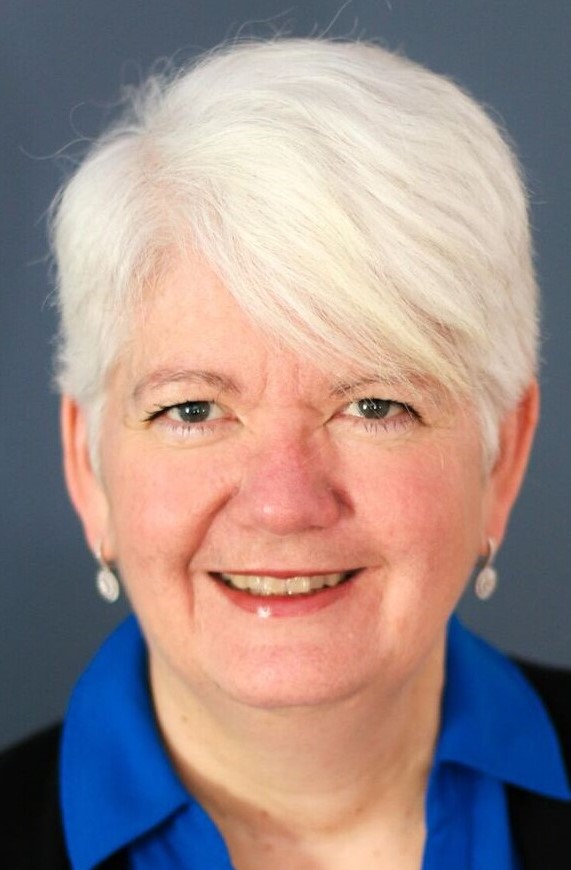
x=353, y=202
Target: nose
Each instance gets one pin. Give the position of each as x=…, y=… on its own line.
x=286, y=488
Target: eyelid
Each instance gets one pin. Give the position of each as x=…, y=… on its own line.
x=401, y=418
x=215, y=412
x=163, y=410
x=396, y=405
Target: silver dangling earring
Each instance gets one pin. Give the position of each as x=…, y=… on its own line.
x=487, y=577
x=106, y=581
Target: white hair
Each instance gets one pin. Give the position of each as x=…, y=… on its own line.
x=352, y=201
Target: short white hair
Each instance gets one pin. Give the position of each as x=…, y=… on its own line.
x=352, y=201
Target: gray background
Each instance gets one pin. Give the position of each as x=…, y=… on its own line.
x=61, y=62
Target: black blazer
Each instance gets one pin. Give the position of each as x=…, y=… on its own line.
x=32, y=834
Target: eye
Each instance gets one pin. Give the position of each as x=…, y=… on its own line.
x=193, y=412
x=375, y=409
x=186, y=414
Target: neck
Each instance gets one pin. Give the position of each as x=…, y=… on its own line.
x=311, y=770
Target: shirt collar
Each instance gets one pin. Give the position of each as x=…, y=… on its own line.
x=116, y=779
x=493, y=721
x=118, y=783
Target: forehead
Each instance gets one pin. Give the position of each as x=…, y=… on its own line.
x=190, y=318
x=190, y=321
x=190, y=297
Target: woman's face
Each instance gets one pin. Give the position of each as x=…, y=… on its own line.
x=225, y=458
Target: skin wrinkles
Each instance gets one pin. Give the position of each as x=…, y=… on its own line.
x=165, y=377
x=278, y=455
x=255, y=711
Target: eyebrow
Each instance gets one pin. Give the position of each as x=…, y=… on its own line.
x=347, y=388
x=164, y=377
x=222, y=384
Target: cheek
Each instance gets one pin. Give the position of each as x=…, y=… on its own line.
x=425, y=507
x=161, y=505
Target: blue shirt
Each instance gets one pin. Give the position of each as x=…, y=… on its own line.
x=119, y=789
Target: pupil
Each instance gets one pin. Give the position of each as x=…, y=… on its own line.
x=374, y=409
x=193, y=412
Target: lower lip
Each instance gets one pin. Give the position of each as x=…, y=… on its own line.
x=266, y=606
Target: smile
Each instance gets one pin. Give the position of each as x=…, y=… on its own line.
x=264, y=584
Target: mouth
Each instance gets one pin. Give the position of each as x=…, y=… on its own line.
x=268, y=585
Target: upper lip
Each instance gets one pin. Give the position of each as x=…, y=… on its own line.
x=283, y=575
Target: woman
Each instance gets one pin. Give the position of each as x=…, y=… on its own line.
x=297, y=357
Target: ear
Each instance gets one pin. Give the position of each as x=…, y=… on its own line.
x=516, y=437
x=84, y=487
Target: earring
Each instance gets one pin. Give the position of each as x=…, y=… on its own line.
x=487, y=577
x=106, y=581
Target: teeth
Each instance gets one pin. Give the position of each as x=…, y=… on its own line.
x=266, y=585
x=297, y=585
x=240, y=581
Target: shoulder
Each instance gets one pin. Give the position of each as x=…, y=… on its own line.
x=35, y=754
x=553, y=685
x=542, y=826
x=29, y=793
x=32, y=829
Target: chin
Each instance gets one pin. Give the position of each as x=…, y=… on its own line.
x=285, y=681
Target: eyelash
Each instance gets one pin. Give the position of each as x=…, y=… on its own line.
x=370, y=425
x=181, y=427
x=397, y=422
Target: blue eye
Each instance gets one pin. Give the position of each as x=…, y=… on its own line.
x=191, y=412
x=385, y=412
x=376, y=409
x=187, y=413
